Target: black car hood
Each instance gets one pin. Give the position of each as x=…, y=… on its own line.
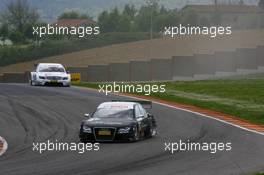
x=109, y=122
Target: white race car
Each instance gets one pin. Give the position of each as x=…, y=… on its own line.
x=49, y=74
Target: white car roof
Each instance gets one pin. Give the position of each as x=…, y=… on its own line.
x=117, y=105
x=50, y=64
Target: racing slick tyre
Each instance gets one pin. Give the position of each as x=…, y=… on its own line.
x=136, y=136
x=32, y=83
x=151, y=132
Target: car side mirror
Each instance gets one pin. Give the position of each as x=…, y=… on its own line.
x=87, y=115
x=68, y=72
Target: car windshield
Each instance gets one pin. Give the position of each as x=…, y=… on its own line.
x=113, y=113
x=51, y=69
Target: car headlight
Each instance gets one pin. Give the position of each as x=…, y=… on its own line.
x=42, y=77
x=124, y=130
x=87, y=129
x=65, y=78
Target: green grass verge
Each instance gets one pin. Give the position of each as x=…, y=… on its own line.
x=243, y=98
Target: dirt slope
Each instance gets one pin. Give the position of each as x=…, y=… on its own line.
x=143, y=50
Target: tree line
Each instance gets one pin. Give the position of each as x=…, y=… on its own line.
x=19, y=17
x=17, y=21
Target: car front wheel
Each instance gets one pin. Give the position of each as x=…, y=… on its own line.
x=136, y=134
x=32, y=83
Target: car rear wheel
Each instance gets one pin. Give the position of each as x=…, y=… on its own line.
x=150, y=132
x=153, y=132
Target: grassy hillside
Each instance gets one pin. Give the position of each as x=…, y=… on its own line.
x=157, y=48
x=21, y=53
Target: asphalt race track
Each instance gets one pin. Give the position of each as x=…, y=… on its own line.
x=30, y=114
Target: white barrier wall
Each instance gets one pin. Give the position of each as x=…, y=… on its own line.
x=204, y=64
x=140, y=71
x=199, y=66
x=161, y=69
x=1, y=78
x=119, y=72
x=260, y=56
x=246, y=58
x=14, y=78
x=183, y=66
x=98, y=73
x=225, y=61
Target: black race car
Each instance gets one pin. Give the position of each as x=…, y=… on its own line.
x=118, y=121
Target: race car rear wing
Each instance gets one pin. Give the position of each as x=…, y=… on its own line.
x=145, y=104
